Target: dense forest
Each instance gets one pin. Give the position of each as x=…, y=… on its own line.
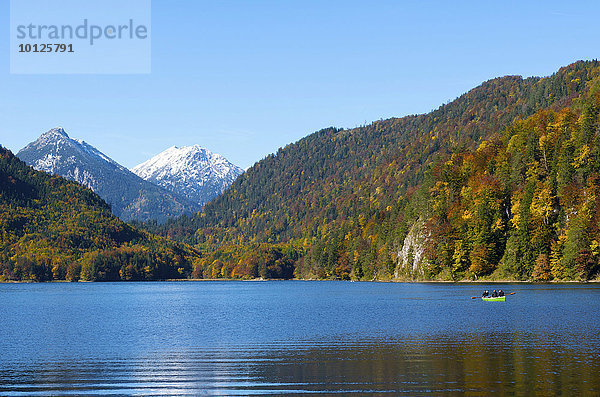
x=54, y=229
x=501, y=183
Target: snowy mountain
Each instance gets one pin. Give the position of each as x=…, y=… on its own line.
x=190, y=171
x=130, y=196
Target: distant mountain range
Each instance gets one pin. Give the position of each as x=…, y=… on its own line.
x=190, y=171
x=502, y=183
x=131, y=197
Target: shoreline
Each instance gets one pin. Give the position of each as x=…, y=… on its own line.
x=312, y=279
x=399, y=281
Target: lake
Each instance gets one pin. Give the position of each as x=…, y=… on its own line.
x=297, y=337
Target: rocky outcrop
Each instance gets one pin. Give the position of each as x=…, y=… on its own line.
x=410, y=258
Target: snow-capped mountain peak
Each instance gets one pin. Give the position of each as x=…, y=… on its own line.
x=56, y=131
x=192, y=171
x=59, y=149
x=130, y=196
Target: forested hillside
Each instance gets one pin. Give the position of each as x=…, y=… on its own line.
x=500, y=182
x=54, y=229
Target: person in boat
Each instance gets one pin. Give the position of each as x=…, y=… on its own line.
x=494, y=294
x=485, y=294
x=500, y=293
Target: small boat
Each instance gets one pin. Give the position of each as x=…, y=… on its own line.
x=494, y=298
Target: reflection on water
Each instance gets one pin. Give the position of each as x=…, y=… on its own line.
x=274, y=338
x=471, y=364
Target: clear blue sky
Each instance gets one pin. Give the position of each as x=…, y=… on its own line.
x=244, y=78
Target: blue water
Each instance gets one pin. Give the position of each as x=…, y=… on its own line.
x=295, y=337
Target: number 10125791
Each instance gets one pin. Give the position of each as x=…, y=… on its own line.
x=53, y=47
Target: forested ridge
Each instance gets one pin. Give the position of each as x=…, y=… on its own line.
x=499, y=183
x=55, y=229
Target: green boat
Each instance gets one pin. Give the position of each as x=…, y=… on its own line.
x=494, y=299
